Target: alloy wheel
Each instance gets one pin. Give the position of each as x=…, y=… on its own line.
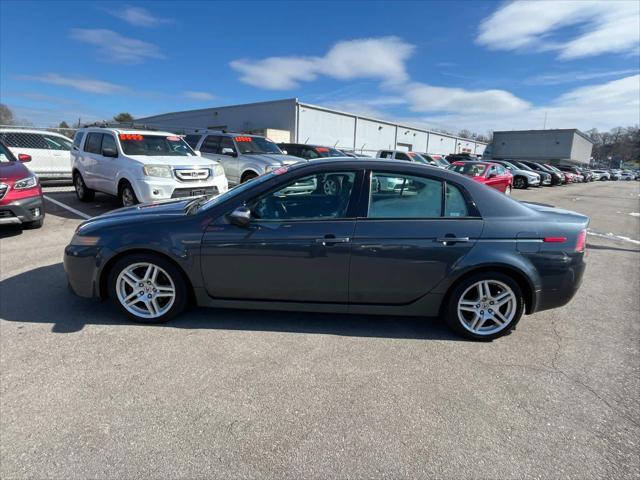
x=145, y=290
x=330, y=187
x=79, y=184
x=128, y=198
x=487, y=307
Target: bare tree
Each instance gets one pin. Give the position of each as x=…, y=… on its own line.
x=6, y=115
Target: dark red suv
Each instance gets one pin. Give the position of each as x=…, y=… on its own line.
x=20, y=191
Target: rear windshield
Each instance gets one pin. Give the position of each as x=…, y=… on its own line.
x=472, y=169
x=154, y=145
x=256, y=145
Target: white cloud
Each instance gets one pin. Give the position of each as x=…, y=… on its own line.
x=194, y=95
x=116, y=48
x=578, y=76
x=379, y=58
x=428, y=98
x=602, y=106
x=83, y=84
x=138, y=16
x=603, y=27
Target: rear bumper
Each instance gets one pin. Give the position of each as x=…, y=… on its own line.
x=559, y=289
x=80, y=267
x=21, y=211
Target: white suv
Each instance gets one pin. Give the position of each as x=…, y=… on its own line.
x=49, y=151
x=140, y=166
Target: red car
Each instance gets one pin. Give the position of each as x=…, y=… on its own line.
x=491, y=174
x=20, y=192
x=568, y=176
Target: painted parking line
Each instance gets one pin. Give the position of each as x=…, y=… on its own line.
x=67, y=207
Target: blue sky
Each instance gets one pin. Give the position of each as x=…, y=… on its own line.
x=453, y=65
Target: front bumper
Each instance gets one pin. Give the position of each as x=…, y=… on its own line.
x=534, y=182
x=150, y=190
x=20, y=211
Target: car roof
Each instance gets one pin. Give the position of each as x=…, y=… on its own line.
x=127, y=130
x=30, y=130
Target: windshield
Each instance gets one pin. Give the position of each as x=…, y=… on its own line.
x=256, y=145
x=416, y=157
x=155, y=145
x=5, y=154
x=523, y=166
x=510, y=166
x=471, y=169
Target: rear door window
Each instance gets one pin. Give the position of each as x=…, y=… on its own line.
x=402, y=156
x=404, y=196
x=211, y=144
x=57, y=143
x=24, y=140
x=93, y=144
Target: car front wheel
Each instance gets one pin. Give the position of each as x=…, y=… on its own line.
x=485, y=306
x=520, y=182
x=127, y=195
x=147, y=288
x=84, y=193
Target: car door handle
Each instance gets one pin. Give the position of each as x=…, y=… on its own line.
x=331, y=240
x=446, y=240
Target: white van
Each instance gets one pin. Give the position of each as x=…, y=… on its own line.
x=49, y=151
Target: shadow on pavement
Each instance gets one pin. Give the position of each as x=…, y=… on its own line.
x=7, y=231
x=68, y=313
x=606, y=247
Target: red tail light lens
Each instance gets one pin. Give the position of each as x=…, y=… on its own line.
x=555, y=239
x=582, y=241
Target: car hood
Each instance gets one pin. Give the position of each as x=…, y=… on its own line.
x=274, y=157
x=11, y=171
x=173, y=161
x=524, y=172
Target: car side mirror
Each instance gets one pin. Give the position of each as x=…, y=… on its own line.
x=110, y=152
x=240, y=217
x=23, y=157
x=285, y=152
x=229, y=151
x=198, y=153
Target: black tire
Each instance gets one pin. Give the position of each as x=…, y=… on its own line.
x=520, y=182
x=35, y=224
x=248, y=176
x=451, y=306
x=180, y=301
x=127, y=195
x=84, y=193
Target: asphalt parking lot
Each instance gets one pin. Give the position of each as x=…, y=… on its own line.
x=240, y=394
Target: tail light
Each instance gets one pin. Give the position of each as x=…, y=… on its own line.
x=582, y=241
x=555, y=239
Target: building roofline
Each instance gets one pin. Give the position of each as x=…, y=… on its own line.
x=282, y=100
x=572, y=130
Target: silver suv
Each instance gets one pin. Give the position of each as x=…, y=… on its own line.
x=242, y=156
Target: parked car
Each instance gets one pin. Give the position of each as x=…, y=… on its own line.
x=436, y=160
x=349, y=153
x=602, y=175
x=21, y=201
x=577, y=173
x=309, y=152
x=462, y=157
x=243, y=157
x=557, y=178
x=49, y=151
x=141, y=166
x=491, y=174
x=615, y=174
x=452, y=248
x=587, y=173
x=414, y=157
x=627, y=175
x=521, y=178
x=545, y=177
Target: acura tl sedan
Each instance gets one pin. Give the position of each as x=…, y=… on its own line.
x=437, y=244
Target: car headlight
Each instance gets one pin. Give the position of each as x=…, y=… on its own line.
x=84, y=241
x=271, y=168
x=218, y=170
x=28, y=182
x=163, y=171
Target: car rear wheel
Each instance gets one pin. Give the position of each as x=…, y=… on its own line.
x=485, y=306
x=520, y=182
x=147, y=288
x=127, y=195
x=84, y=193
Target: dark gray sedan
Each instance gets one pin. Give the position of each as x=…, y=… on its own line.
x=339, y=235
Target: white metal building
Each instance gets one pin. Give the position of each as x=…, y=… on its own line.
x=290, y=120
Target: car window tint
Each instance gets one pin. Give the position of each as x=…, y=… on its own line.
x=386, y=155
x=455, y=204
x=404, y=196
x=23, y=140
x=108, y=142
x=192, y=140
x=93, y=143
x=310, y=153
x=314, y=197
x=57, y=143
x=402, y=156
x=211, y=144
x=77, y=140
x=227, y=143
